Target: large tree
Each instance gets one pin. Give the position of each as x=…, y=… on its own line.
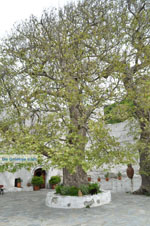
x=55, y=78
x=133, y=64
x=137, y=80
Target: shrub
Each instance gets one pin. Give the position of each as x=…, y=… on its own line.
x=73, y=191
x=64, y=190
x=54, y=180
x=94, y=189
x=37, y=180
x=84, y=189
x=67, y=190
x=58, y=189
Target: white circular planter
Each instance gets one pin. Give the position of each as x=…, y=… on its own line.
x=69, y=202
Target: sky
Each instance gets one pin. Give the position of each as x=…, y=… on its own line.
x=12, y=11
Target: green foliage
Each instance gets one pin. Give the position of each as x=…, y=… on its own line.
x=73, y=191
x=65, y=190
x=37, y=180
x=52, y=85
x=84, y=189
x=94, y=188
x=58, y=188
x=119, y=174
x=107, y=175
x=118, y=112
x=55, y=180
x=51, y=93
x=19, y=179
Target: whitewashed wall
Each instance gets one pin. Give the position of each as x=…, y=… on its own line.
x=122, y=131
x=8, y=179
x=119, y=130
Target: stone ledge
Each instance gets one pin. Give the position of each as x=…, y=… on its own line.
x=69, y=202
x=15, y=189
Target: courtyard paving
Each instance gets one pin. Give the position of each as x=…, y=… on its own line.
x=29, y=209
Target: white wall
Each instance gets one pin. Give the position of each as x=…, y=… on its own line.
x=119, y=130
x=8, y=179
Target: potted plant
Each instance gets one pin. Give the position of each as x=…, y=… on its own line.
x=98, y=179
x=107, y=176
x=37, y=181
x=119, y=176
x=19, y=182
x=54, y=180
x=89, y=178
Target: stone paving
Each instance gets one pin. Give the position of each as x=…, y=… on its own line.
x=29, y=209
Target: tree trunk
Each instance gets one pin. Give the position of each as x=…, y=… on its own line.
x=76, y=179
x=143, y=115
x=78, y=128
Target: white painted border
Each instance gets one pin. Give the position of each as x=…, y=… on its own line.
x=68, y=202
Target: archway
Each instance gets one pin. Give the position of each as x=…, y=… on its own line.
x=40, y=172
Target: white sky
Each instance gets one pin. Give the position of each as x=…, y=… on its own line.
x=12, y=11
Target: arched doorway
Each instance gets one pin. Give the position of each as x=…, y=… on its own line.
x=40, y=172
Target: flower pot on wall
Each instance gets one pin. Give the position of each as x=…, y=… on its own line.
x=89, y=178
x=120, y=178
x=28, y=184
x=107, y=176
x=99, y=179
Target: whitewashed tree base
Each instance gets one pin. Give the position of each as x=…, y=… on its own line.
x=69, y=202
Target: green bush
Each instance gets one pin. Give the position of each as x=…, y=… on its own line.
x=37, y=180
x=54, y=180
x=58, y=189
x=84, y=189
x=67, y=190
x=94, y=189
x=73, y=191
x=64, y=190
x=119, y=111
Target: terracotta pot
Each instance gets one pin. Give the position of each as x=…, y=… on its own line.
x=107, y=179
x=98, y=179
x=53, y=186
x=89, y=178
x=119, y=178
x=28, y=184
x=36, y=187
x=18, y=184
